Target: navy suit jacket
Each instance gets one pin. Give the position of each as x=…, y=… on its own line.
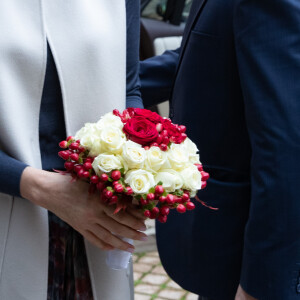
x=235, y=84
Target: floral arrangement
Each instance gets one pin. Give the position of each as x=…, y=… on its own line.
x=137, y=156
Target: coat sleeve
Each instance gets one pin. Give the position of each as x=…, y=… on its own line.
x=157, y=77
x=267, y=39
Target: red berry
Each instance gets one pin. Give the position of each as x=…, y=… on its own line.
x=69, y=165
x=164, y=210
x=147, y=213
x=164, y=133
x=200, y=167
x=86, y=174
x=190, y=206
x=166, y=140
x=74, y=146
x=159, y=127
x=162, y=218
x=182, y=128
x=108, y=194
x=152, y=215
x=181, y=208
x=74, y=156
x=183, y=136
x=144, y=201
x=80, y=149
x=185, y=197
x=172, y=139
x=101, y=186
x=64, y=154
x=146, y=147
x=77, y=168
x=154, y=145
x=113, y=199
x=159, y=189
x=80, y=173
x=170, y=199
x=70, y=138
x=163, y=147
x=115, y=182
x=162, y=199
x=116, y=112
x=150, y=197
x=118, y=188
x=63, y=144
x=116, y=175
x=129, y=191
x=159, y=139
x=155, y=210
x=94, y=179
x=88, y=166
x=204, y=176
x=89, y=159
x=203, y=185
x=104, y=177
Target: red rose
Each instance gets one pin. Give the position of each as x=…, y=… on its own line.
x=140, y=130
x=148, y=114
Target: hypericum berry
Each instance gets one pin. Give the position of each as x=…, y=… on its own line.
x=154, y=145
x=159, y=139
x=70, y=138
x=146, y=147
x=64, y=154
x=116, y=175
x=182, y=128
x=147, y=213
x=150, y=197
x=77, y=168
x=80, y=149
x=88, y=166
x=203, y=184
x=108, y=194
x=164, y=210
x=204, y=176
x=115, y=182
x=163, y=147
x=172, y=139
x=104, y=177
x=86, y=174
x=101, y=186
x=164, y=133
x=113, y=199
x=74, y=146
x=181, y=208
x=190, y=206
x=80, y=173
x=185, y=197
x=69, y=165
x=183, y=136
x=165, y=140
x=155, y=210
x=63, y=144
x=170, y=199
x=199, y=167
x=89, y=159
x=159, y=189
x=159, y=127
x=116, y=113
x=94, y=179
x=118, y=188
x=144, y=202
x=162, y=218
x=162, y=199
x=129, y=191
x=74, y=156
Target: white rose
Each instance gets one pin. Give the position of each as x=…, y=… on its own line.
x=192, y=150
x=157, y=159
x=109, y=120
x=171, y=180
x=140, y=181
x=112, y=139
x=107, y=163
x=178, y=156
x=134, y=155
x=191, y=178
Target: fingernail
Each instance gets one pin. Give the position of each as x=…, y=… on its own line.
x=144, y=238
x=143, y=228
x=131, y=250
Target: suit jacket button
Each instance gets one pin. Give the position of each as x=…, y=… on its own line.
x=298, y=288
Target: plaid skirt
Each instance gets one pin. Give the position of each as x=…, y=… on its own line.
x=68, y=274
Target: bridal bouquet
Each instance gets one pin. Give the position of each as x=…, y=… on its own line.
x=137, y=157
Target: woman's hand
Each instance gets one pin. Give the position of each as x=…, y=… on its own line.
x=84, y=212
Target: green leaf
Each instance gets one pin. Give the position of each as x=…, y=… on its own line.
x=160, y=183
x=152, y=190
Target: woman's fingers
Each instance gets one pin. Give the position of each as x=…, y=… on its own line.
x=110, y=239
x=95, y=240
x=122, y=230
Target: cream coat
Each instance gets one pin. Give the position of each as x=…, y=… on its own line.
x=88, y=41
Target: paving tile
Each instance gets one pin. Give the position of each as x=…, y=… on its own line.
x=137, y=275
x=154, y=253
x=155, y=279
x=191, y=296
x=141, y=268
x=141, y=297
x=134, y=258
x=171, y=294
x=147, y=289
x=159, y=270
x=149, y=260
x=174, y=285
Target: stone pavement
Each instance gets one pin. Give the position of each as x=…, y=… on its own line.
x=151, y=281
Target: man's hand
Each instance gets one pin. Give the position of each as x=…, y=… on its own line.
x=84, y=212
x=242, y=295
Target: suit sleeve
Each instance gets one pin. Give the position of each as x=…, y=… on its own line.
x=157, y=77
x=267, y=39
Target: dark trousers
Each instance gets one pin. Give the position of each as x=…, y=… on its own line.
x=203, y=298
